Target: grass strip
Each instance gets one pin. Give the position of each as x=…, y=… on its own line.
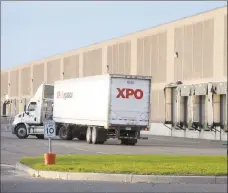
x=134, y=164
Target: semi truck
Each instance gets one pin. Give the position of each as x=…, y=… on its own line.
x=93, y=108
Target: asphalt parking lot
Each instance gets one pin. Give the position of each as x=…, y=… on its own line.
x=12, y=149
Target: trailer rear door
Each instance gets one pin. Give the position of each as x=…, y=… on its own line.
x=130, y=101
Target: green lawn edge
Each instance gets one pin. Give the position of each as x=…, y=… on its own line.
x=134, y=164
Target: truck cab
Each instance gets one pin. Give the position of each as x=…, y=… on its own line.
x=39, y=108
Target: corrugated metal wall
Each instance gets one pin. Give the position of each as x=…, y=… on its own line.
x=53, y=70
x=119, y=58
x=26, y=80
x=71, y=67
x=38, y=76
x=4, y=83
x=194, y=45
x=14, y=81
x=92, y=62
x=225, y=47
x=152, y=56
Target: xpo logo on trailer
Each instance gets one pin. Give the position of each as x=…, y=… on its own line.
x=126, y=93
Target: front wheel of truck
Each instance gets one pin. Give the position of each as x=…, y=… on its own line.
x=21, y=131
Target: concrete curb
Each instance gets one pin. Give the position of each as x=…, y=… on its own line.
x=127, y=178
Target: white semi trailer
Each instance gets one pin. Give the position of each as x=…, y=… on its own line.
x=93, y=108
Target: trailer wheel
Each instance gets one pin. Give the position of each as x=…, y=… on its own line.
x=99, y=135
x=95, y=135
x=65, y=133
x=40, y=136
x=21, y=132
x=89, y=135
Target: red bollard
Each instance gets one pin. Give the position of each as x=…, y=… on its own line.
x=49, y=158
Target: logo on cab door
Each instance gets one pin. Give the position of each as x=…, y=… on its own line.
x=126, y=93
x=64, y=95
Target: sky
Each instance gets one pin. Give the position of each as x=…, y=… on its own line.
x=34, y=30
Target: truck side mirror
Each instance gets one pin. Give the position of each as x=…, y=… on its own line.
x=24, y=108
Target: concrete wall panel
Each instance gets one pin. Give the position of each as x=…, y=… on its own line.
x=4, y=83
x=178, y=48
x=154, y=106
x=14, y=81
x=162, y=56
x=225, y=46
x=26, y=80
x=119, y=58
x=92, y=62
x=154, y=62
x=188, y=52
x=208, y=48
x=53, y=70
x=157, y=106
x=152, y=56
x=161, y=105
x=194, y=46
x=140, y=66
x=38, y=76
x=71, y=66
x=197, y=49
x=147, y=55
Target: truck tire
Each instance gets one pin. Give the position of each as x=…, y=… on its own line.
x=89, y=135
x=95, y=135
x=21, y=131
x=99, y=135
x=40, y=136
x=65, y=133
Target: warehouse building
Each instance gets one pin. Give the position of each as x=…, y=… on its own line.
x=191, y=50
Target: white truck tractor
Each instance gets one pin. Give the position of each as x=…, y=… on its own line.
x=93, y=108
